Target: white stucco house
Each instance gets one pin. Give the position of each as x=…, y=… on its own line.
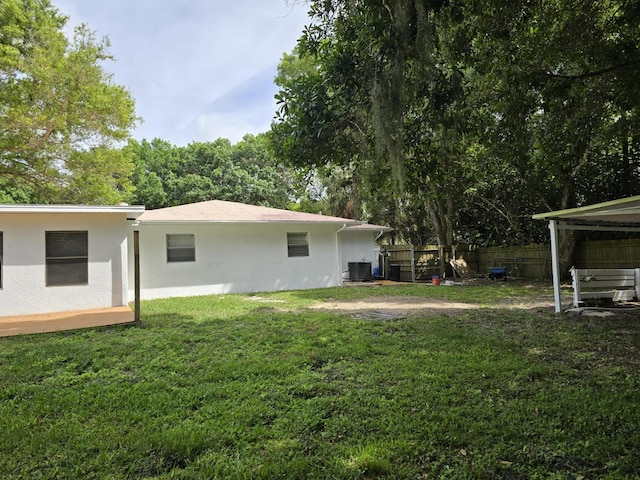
x=56, y=258
x=59, y=258
x=219, y=247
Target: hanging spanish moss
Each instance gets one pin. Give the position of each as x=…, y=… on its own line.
x=405, y=60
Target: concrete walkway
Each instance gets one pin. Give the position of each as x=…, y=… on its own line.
x=54, y=322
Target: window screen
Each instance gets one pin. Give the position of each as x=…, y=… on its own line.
x=67, y=258
x=298, y=244
x=181, y=248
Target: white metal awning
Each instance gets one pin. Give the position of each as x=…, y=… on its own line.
x=622, y=215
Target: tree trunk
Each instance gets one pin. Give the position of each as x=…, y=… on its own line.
x=566, y=238
x=436, y=220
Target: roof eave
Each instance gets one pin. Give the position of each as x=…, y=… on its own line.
x=129, y=210
x=282, y=222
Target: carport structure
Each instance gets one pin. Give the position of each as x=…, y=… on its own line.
x=622, y=215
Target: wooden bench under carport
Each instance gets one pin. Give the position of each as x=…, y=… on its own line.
x=613, y=284
x=622, y=215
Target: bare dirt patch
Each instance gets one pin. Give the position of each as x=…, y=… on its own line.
x=393, y=307
x=390, y=307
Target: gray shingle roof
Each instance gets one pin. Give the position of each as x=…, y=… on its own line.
x=219, y=211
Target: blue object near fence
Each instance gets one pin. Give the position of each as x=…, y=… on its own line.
x=376, y=273
x=498, y=273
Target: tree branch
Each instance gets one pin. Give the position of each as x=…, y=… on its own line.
x=595, y=73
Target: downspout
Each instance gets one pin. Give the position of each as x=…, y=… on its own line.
x=379, y=251
x=339, y=253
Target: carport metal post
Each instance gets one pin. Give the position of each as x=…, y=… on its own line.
x=555, y=264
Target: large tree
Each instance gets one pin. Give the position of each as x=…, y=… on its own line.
x=558, y=78
x=386, y=103
x=62, y=116
x=482, y=113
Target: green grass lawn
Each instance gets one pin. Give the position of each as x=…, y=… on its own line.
x=242, y=387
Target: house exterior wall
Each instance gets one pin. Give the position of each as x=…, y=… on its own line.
x=358, y=246
x=23, y=289
x=236, y=258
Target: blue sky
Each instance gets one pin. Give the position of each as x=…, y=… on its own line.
x=198, y=69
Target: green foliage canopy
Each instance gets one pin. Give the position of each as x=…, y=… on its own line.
x=166, y=175
x=460, y=120
x=61, y=117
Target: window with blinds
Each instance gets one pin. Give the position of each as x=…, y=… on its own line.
x=298, y=244
x=67, y=258
x=181, y=248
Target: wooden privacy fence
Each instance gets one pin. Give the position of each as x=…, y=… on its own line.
x=528, y=261
x=608, y=254
x=414, y=263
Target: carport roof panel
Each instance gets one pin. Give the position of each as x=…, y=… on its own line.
x=621, y=212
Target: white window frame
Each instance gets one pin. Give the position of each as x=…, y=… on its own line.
x=297, y=244
x=181, y=247
x=78, y=260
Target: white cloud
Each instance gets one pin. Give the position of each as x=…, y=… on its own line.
x=186, y=62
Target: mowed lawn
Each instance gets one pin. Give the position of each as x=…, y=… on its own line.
x=267, y=387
